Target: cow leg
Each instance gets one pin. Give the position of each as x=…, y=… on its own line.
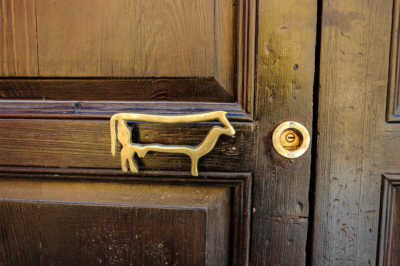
x=195, y=171
x=132, y=164
x=124, y=159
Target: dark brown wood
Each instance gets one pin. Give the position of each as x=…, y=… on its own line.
x=285, y=75
x=253, y=59
x=281, y=235
x=96, y=235
x=114, y=224
x=356, y=145
x=211, y=43
x=174, y=89
x=82, y=211
x=104, y=110
x=86, y=144
x=154, y=38
x=246, y=54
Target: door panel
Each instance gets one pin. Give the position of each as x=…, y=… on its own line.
x=200, y=50
x=93, y=235
x=123, y=38
x=358, y=144
x=66, y=69
x=167, y=47
x=128, y=38
x=95, y=222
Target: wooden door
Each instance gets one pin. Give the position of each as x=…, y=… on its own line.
x=358, y=164
x=67, y=66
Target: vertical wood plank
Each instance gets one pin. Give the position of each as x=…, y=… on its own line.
x=18, y=38
x=351, y=154
x=285, y=76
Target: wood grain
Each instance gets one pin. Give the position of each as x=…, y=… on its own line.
x=240, y=183
x=105, y=109
x=285, y=75
x=86, y=144
x=182, y=89
x=292, y=232
x=355, y=145
x=92, y=223
x=155, y=39
x=90, y=45
x=18, y=37
x=127, y=38
x=246, y=54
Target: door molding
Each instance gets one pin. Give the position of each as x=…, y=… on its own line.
x=393, y=102
x=389, y=222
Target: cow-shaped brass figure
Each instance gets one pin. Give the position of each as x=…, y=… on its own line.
x=121, y=131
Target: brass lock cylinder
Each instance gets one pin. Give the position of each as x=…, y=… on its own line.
x=291, y=139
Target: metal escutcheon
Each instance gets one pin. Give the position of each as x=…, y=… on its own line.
x=291, y=139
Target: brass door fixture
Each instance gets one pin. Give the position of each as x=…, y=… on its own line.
x=291, y=139
x=120, y=131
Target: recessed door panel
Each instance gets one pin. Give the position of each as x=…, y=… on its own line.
x=102, y=223
x=168, y=50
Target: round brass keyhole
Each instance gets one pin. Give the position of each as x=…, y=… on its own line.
x=291, y=139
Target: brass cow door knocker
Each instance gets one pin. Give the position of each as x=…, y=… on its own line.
x=120, y=131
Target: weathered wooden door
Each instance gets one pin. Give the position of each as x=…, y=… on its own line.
x=67, y=66
x=358, y=163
